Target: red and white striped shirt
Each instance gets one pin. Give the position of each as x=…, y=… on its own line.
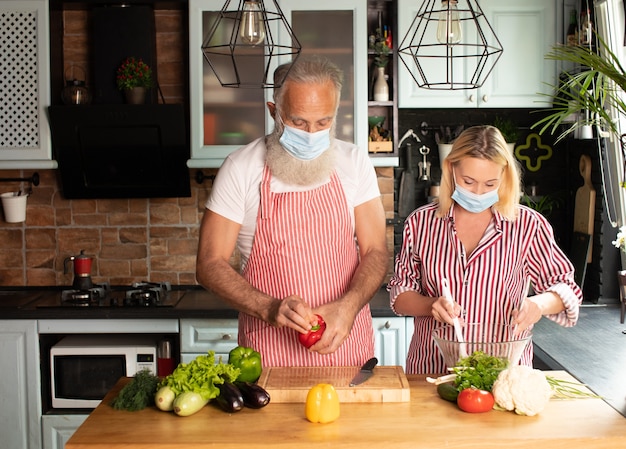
x=489, y=283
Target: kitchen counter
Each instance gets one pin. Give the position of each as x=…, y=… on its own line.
x=195, y=303
x=426, y=421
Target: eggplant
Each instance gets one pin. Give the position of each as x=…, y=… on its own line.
x=254, y=396
x=229, y=399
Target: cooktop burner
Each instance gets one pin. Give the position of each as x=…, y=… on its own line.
x=139, y=294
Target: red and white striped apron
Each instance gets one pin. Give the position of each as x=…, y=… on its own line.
x=304, y=245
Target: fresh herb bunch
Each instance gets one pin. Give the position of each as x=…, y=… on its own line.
x=133, y=73
x=479, y=370
x=138, y=393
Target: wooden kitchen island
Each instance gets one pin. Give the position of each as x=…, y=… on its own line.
x=426, y=421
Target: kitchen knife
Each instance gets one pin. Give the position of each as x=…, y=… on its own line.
x=365, y=372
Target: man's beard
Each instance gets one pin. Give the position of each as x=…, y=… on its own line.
x=294, y=171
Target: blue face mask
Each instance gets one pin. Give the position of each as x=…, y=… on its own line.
x=472, y=202
x=304, y=145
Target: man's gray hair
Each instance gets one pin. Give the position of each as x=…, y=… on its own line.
x=307, y=69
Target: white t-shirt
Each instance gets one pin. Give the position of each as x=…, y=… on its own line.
x=235, y=193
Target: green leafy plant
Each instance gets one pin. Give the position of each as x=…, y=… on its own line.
x=545, y=204
x=381, y=50
x=596, y=88
x=508, y=128
x=133, y=73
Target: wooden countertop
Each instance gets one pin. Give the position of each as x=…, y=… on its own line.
x=425, y=422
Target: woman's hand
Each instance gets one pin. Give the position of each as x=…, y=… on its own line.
x=445, y=311
x=527, y=315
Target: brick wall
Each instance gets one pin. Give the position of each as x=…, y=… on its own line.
x=131, y=240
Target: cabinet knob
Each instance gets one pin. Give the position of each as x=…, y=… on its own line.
x=227, y=337
x=387, y=325
x=485, y=98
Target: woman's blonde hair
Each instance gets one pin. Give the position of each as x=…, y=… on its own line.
x=483, y=142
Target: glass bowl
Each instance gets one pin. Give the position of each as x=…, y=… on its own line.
x=493, y=339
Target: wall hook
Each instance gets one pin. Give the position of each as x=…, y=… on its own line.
x=200, y=177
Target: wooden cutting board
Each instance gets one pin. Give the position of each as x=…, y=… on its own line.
x=291, y=384
x=584, y=207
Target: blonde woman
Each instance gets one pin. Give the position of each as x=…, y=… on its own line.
x=487, y=245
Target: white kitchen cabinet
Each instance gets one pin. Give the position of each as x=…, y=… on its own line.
x=25, y=85
x=20, y=388
x=57, y=429
x=390, y=342
x=223, y=119
x=526, y=29
x=198, y=336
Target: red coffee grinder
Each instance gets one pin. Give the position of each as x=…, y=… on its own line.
x=82, y=271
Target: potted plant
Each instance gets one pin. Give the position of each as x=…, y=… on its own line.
x=133, y=78
x=594, y=89
x=444, y=138
x=509, y=130
x=381, y=58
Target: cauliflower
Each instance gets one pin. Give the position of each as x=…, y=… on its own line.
x=523, y=389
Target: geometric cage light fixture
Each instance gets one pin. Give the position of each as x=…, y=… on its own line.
x=241, y=44
x=450, y=45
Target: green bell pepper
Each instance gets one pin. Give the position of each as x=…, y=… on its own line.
x=248, y=361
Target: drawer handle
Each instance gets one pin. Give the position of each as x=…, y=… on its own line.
x=227, y=337
x=387, y=325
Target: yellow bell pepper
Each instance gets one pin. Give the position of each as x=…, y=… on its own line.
x=322, y=404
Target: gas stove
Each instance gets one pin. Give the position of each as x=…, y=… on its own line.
x=138, y=294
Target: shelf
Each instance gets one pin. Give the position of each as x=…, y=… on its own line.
x=380, y=103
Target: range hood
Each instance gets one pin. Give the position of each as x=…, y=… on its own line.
x=121, y=151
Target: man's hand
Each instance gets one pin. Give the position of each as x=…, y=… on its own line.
x=292, y=312
x=339, y=323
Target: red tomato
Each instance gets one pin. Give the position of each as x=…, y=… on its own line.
x=473, y=400
x=313, y=336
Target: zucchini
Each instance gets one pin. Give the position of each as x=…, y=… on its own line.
x=164, y=399
x=254, y=396
x=188, y=403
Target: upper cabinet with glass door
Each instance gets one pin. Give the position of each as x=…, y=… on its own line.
x=526, y=30
x=224, y=118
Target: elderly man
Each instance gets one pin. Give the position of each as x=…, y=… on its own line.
x=305, y=212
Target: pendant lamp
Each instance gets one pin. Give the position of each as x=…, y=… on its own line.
x=241, y=44
x=450, y=45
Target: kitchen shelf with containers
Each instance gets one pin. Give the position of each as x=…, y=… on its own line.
x=382, y=80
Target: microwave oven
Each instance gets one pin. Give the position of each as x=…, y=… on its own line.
x=83, y=368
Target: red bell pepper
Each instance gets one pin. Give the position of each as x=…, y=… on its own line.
x=313, y=336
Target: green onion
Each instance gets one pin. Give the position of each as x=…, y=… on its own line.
x=565, y=389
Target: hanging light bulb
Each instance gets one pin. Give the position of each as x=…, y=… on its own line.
x=449, y=25
x=252, y=28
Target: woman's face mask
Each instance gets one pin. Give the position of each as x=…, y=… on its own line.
x=473, y=202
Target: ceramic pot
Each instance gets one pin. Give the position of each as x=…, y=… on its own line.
x=381, y=88
x=136, y=95
x=444, y=150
